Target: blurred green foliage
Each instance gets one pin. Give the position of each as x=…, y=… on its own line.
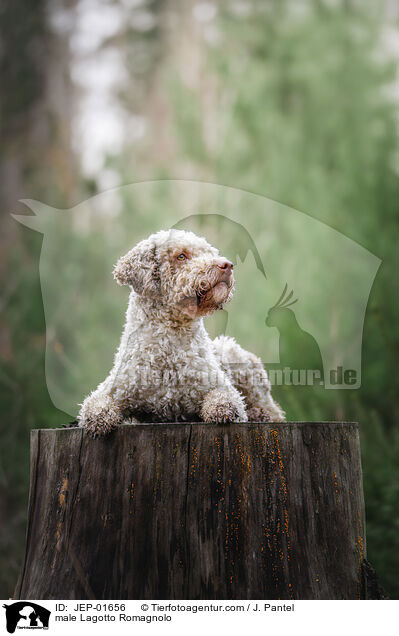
x=302, y=113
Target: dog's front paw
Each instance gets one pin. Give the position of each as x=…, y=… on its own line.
x=99, y=415
x=222, y=408
x=223, y=414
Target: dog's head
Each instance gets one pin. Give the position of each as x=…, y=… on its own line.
x=178, y=271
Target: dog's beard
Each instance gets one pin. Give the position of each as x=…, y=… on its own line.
x=208, y=296
x=215, y=297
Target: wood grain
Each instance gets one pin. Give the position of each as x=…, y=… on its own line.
x=195, y=511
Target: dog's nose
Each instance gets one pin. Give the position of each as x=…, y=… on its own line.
x=225, y=265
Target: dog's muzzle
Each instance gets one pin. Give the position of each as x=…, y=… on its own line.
x=220, y=276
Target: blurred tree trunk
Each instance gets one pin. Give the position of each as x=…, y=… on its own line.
x=36, y=161
x=35, y=109
x=176, y=56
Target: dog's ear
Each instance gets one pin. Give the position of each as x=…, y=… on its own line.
x=139, y=268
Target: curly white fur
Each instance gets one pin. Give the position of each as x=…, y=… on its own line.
x=167, y=368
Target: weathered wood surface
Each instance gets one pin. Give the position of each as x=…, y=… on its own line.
x=195, y=511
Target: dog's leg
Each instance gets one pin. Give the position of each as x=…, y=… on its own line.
x=248, y=375
x=99, y=413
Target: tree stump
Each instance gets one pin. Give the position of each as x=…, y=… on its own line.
x=196, y=511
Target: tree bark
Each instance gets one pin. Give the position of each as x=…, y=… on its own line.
x=195, y=511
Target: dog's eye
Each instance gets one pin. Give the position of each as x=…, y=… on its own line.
x=181, y=257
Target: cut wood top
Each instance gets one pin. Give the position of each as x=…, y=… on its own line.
x=224, y=427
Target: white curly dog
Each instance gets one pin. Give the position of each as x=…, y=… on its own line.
x=167, y=368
